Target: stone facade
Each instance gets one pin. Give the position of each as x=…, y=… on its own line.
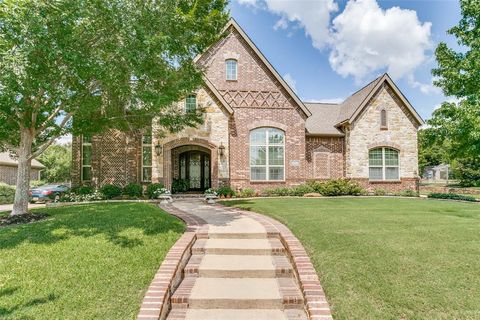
x=260, y=98
x=366, y=133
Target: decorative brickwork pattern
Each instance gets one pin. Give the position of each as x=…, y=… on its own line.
x=317, y=149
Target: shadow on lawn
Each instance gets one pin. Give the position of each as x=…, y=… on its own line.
x=114, y=221
x=32, y=303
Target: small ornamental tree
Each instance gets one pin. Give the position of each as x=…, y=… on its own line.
x=101, y=63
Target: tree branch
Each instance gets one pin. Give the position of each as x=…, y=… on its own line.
x=52, y=116
x=44, y=146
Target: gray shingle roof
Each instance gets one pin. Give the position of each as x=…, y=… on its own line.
x=324, y=118
x=6, y=160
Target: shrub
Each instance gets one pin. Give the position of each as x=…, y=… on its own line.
x=280, y=191
x=180, y=185
x=408, y=193
x=111, y=191
x=301, y=190
x=379, y=192
x=225, y=191
x=468, y=172
x=246, y=193
x=133, y=190
x=83, y=190
x=337, y=187
x=451, y=196
x=37, y=183
x=152, y=189
x=72, y=197
x=7, y=193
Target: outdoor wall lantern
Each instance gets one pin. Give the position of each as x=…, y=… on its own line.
x=158, y=149
x=221, y=149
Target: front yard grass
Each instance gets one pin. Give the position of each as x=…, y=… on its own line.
x=388, y=258
x=83, y=262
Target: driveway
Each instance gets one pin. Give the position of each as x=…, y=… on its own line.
x=9, y=207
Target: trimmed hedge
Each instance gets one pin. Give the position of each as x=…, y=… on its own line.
x=225, y=191
x=452, y=196
x=111, y=191
x=133, y=190
x=7, y=193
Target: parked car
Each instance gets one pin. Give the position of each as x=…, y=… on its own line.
x=48, y=192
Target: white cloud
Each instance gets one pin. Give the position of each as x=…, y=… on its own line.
x=313, y=16
x=248, y=2
x=66, y=139
x=331, y=100
x=425, y=88
x=365, y=39
x=290, y=81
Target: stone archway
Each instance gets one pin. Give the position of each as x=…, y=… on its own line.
x=173, y=148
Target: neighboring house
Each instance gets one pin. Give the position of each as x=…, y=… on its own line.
x=436, y=173
x=8, y=169
x=258, y=134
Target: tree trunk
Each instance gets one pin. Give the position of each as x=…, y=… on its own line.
x=20, y=204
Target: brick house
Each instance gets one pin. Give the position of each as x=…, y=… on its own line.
x=257, y=133
x=8, y=169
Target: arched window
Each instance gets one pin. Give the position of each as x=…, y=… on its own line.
x=191, y=103
x=383, y=164
x=231, y=69
x=383, y=119
x=267, y=154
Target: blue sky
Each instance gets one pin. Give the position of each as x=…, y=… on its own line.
x=328, y=49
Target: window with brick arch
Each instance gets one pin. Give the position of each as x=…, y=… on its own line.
x=231, y=69
x=383, y=119
x=383, y=164
x=267, y=154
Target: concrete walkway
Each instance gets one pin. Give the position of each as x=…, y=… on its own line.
x=236, y=271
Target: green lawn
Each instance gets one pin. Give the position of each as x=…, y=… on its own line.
x=84, y=262
x=388, y=258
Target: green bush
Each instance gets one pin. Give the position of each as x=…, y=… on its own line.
x=301, y=190
x=111, y=191
x=151, y=188
x=408, y=193
x=337, y=187
x=37, y=183
x=225, y=191
x=246, y=193
x=7, y=193
x=280, y=191
x=379, y=192
x=180, y=185
x=133, y=190
x=83, y=190
x=451, y=196
x=468, y=172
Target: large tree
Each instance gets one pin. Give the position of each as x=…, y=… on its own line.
x=57, y=160
x=458, y=74
x=103, y=63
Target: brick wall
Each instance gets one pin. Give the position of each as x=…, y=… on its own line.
x=259, y=100
x=325, y=158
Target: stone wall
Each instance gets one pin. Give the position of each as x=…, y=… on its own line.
x=366, y=133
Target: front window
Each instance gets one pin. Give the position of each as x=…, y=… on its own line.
x=147, y=157
x=86, y=158
x=383, y=164
x=191, y=103
x=267, y=155
x=231, y=69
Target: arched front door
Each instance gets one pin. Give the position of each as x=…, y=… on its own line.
x=195, y=168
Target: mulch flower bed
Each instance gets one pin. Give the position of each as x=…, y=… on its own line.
x=21, y=219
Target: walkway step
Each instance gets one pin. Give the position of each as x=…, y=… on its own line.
x=236, y=314
x=237, y=293
x=239, y=266
x=239, y=246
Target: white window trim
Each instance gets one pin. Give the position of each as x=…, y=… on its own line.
x=384, y=166
x=226, y=70
x=81, y=159
x=266, y=165
x=146, y=145
x=185, y=103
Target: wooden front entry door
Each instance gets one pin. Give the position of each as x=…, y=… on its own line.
x=195, y=167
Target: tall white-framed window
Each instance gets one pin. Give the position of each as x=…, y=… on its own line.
x=191, y=103
x=383, y=164
x=267, y=154
x=231, y=69
x=86, y=156
x=147, y=157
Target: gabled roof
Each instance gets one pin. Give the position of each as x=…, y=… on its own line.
x=233, y=24
x=328, y=117
x=217, y=94
x=355, y=104
x=323, y=119
x=6, y=160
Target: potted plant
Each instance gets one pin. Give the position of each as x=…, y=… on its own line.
x=164, y=195
x=210, y=196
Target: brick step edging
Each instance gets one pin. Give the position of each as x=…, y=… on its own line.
x=157, y=300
